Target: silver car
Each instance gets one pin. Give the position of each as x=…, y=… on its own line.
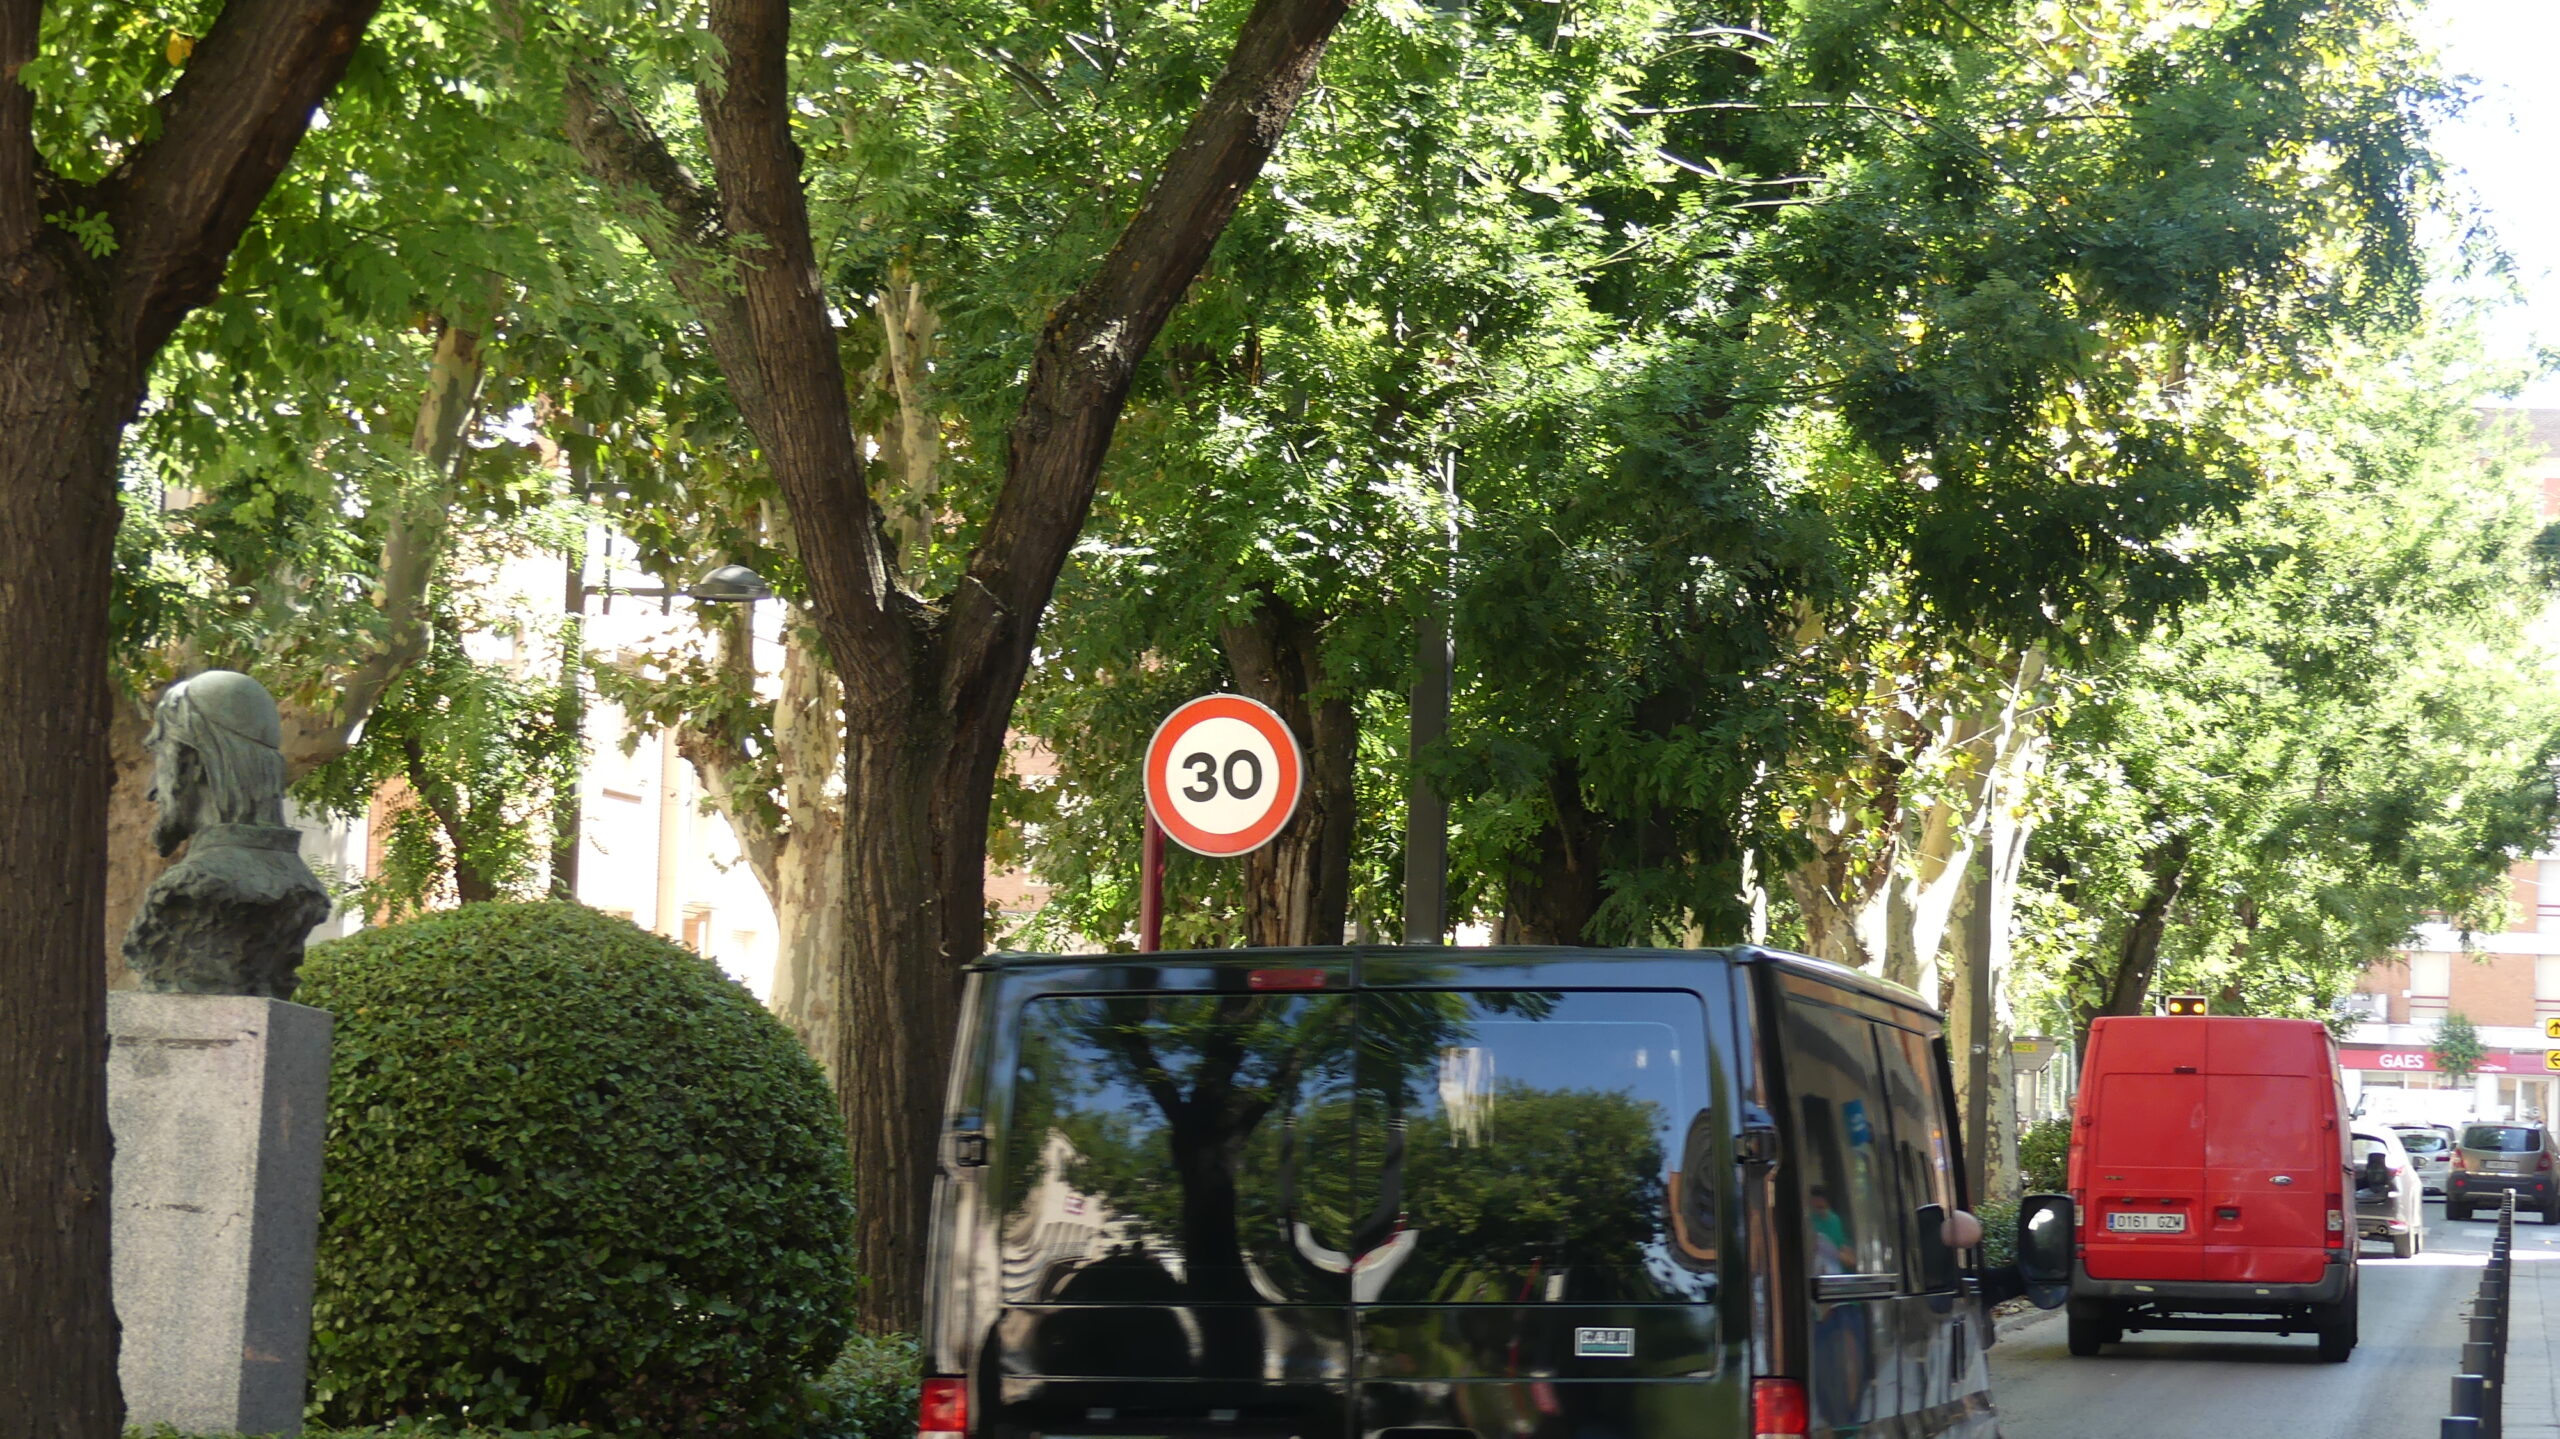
x=2430, y=1149
x=2389, y=1202
x=2493, y=1160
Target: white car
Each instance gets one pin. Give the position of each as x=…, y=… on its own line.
x=2389, y=1202
x=2430, y=1149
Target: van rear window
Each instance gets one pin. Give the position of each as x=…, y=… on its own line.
x=2507, y=1138
x=1408, y=1146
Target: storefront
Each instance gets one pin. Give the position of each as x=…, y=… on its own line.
x=2394, y=1082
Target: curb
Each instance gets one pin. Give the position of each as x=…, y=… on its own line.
x=2008, y=1324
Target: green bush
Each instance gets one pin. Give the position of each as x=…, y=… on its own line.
x=1999, y=1232
x=396, y=1429
x=2044, y=1156
x=870, y=1391
x=574, y=1176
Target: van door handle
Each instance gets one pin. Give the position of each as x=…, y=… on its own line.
x=2284, y=1179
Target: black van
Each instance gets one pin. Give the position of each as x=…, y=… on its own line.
x=1450, y=1194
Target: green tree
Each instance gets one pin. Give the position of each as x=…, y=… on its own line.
x=2361, y=733
x=929, y=682
x=1799, y=380
x=477, y=757
x=2456, y=1048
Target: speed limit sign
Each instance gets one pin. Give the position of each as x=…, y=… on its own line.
x=1223, y=775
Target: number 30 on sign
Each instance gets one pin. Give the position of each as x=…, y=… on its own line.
x=1223, y=775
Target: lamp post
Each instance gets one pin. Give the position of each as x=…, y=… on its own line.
x=730, y=585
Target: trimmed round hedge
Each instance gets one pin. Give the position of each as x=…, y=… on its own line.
x=574, y=1175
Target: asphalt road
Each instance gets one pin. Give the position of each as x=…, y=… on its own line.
x=2242, y=1386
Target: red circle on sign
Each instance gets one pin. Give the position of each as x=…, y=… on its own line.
x=1266, y=807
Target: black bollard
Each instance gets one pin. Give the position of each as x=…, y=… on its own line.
x=2470, y=1395
x=2459, y=1426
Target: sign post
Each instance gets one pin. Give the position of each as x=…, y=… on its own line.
x=1223, y=774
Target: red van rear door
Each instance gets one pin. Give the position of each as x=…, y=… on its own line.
x=2144, y=1176
x=2272, y=1153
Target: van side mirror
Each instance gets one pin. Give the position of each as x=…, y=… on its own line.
x=2046, y=1223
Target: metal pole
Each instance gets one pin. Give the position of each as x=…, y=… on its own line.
x=1151, y=888
x=1977, y=1056
x=1426, y=812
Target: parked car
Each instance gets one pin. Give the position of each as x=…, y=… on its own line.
x=2390, y=1202
x=2430, y=1149
x=1536, y=1194
x=2492, y=1159
x=2209, y=1168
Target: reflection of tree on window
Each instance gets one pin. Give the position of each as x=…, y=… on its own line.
x=1175, y=1108
x=1567, y=1183
x=1217, y=1129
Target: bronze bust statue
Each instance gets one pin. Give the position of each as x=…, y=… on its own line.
x=231, y=917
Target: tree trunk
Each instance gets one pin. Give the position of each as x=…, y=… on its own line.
x=2138, y=954
x=1554, y=900
x=64, y=399
x=77, y=333
x=1298, y=887
x=913, y=874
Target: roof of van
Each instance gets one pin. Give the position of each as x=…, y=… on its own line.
x=1354, y=955
x=2216, y=1044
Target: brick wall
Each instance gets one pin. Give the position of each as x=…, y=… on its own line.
x=2497, y=989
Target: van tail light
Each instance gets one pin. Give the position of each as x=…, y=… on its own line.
x=2337, y=1224
x=943, y=1407
x=1777, y=1409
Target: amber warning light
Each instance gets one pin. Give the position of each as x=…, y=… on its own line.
x=2186, y=1004
x=1285, y=979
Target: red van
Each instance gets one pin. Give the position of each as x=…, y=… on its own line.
x=2210, y=1174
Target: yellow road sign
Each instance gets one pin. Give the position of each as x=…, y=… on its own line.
x=2551, y=1059
x=2551, y=1027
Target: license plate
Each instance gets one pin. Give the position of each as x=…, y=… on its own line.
x=2508, y=1166
x=2147, y=1223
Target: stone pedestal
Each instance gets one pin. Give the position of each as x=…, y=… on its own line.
x=219, y=1104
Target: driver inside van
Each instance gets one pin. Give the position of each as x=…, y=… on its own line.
x=1832, y=1252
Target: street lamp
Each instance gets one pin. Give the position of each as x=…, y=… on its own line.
x=730, y=584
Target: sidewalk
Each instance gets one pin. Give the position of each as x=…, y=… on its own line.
x=2533, y=1336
